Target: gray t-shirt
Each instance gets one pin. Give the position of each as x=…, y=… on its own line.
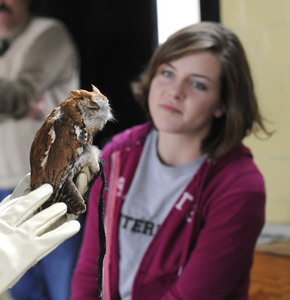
x=154, y=190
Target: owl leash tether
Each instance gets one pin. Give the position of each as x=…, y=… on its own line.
x=102, y=235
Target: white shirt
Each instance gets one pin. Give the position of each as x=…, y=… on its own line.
x=154, y=190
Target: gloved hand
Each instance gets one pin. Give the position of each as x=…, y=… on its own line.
x=27, y=236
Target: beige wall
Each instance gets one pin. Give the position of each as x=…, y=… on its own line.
x=264, y=29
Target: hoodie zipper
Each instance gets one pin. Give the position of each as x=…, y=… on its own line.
x=109, y=217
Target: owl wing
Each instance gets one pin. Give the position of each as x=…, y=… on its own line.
x=55, y=150
x=40, y=151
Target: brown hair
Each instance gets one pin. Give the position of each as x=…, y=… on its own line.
x=242, y=115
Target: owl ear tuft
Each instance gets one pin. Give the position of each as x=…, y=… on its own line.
x=96, y=90
x=86, y=94
x=76, y=94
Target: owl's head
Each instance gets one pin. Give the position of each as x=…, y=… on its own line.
x=94, y=107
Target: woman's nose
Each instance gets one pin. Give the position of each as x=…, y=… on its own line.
x=178, y=90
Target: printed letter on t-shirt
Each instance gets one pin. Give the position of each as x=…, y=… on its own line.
x=184, y=197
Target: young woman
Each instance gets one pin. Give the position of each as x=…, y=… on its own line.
x=185, y=201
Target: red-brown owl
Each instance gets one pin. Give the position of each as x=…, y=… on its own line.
x=62, y=147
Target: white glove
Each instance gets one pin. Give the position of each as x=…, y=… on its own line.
x=26, y=237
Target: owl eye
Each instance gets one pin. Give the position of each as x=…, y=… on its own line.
x=92, y=107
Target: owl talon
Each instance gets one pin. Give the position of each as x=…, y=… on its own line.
x=82, y=183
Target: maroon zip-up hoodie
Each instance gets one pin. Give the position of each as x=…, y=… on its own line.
x=204, y=248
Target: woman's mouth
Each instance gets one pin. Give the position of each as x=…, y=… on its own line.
x=170, y=108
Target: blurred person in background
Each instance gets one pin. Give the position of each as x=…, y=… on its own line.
x=39, y=65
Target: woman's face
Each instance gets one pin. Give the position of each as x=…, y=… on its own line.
x=184, y=95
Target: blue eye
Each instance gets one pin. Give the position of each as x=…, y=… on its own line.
x=167, y=73
x=199, y=85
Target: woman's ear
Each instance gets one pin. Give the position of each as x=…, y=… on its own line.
x=219, y=112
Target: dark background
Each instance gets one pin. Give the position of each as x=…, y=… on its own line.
x=115, y=38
